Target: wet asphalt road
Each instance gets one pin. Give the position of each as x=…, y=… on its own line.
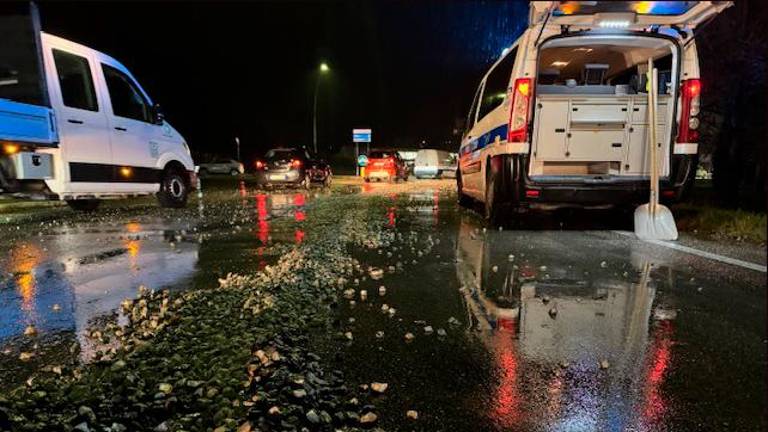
x=562, y=323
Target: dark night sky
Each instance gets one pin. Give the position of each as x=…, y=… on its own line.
x=406, y=69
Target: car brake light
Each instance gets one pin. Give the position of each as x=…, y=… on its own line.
x=690, y=104
x=259, y=164
x=296, y=163
x=519, y=113
x=532, y=193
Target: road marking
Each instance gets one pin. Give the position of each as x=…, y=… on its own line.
x=701, y=253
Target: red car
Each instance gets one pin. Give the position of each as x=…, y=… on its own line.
x=385, y=165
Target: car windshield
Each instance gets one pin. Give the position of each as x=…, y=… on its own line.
x=282, y=154
x=381, y=154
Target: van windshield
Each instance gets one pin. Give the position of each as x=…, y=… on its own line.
x=20, y=77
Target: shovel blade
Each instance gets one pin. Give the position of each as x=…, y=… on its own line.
x=655, y=226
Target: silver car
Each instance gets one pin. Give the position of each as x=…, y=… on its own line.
x=221, y=166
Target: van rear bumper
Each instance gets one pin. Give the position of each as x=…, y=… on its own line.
x=524, y=191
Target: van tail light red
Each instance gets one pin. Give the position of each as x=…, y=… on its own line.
x=690, y=98
x=296, y=163
x=259, y=164
x=520, y=111
x=532, y=193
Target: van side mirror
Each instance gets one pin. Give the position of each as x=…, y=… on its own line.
x=157, y=114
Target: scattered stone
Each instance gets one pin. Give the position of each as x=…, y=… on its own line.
x=392, y=311
x=495, y=269
x=382, y=290
x=245, y=427
x=553, y=312
x=379, y=334
x=511, y=257
x=348, y=335
x=376, y=273
x=412, y=414
x=56, y=307
x=545, y=299
x=363, y=295
x=661, y=314
x=385, y=307
x=26, y=356
x=441, y=332
x=312, y=417
x=453, y=321
x=543, y=268
x=275, y=410
x=299, y=393
x=162, y=427
x=349, y=293
x=379, y=387
x=368, y=418
x=165, y=388
x=604, y=364
x=564, y=364
x=603, y=264
x=82, y=427
x=409, y=337
x=428, y=330
x=30, y=331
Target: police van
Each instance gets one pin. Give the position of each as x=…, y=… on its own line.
x=75, y=125
x=561, y=119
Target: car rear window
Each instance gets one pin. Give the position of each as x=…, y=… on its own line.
x=381, y=154
x=282, y=154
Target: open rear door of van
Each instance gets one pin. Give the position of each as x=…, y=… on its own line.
x=632, y=15
x=25, y=110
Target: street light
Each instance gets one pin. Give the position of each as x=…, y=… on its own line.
x=324, y=69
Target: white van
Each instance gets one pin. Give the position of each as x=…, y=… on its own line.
x=432, y=163
x=561, y=118
x=75, y=125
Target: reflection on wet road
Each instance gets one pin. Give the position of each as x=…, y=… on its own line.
x=60, y=281
x=559, y=330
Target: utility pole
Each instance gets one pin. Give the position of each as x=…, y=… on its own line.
x=323, y=69
x=237, y=143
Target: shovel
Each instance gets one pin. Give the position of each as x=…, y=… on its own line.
x=654, y=221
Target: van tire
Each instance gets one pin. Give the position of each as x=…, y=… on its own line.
x=464, y=200
x=494, y=209
x=174, y=189
x=84, y=205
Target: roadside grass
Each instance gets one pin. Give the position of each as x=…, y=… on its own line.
x=720, y=224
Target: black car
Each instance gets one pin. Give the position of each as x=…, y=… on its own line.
x=290, y=167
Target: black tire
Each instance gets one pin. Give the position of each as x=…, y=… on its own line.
x=174, y=190
x=84, y=205
x=464, y=200
x=494, y=210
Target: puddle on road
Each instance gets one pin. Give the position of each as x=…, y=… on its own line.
x=64, y=281
x=559, y=330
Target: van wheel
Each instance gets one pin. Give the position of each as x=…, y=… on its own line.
x=464, y=200
x=174, y=190
x=84, y=205
x=494, y=213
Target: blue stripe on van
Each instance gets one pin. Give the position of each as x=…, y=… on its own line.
x=485, y=139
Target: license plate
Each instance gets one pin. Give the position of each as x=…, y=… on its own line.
x=278, y=177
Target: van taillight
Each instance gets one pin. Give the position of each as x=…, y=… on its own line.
x=519, y=113
x=296, y=163
x=689, y=109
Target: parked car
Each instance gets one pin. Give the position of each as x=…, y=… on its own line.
x=284, y=167
x=385, y=165
x=75, y=125
x=561, y=119
x=320, y=172
x=221, y=166
x=434, y=164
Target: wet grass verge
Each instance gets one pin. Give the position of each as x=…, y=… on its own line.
x=722, y=224
x=227, y=357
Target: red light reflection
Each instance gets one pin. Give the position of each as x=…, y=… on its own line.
x=654, y=404
x=506, y=410
x=262, y=214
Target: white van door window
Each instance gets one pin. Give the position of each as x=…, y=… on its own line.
x=75, y=81
x=496, y=84
x=83, y=129
x=136, y=140
x=127, y=100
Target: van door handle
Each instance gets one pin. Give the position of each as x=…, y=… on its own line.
x=559, y=130
x=121, y=128
x=75, y=121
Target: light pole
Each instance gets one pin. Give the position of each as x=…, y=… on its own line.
x=324, y=69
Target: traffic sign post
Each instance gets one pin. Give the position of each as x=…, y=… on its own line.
x=358, y=136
